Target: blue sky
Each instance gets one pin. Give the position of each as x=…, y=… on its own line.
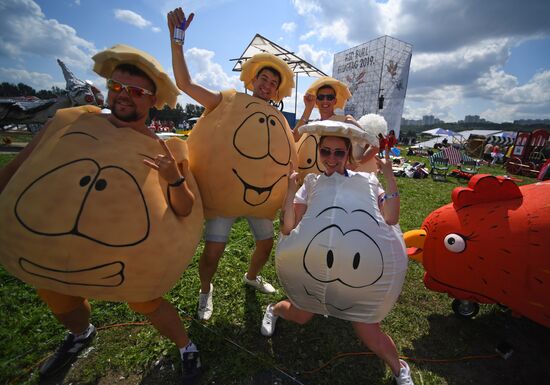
x=489, y=58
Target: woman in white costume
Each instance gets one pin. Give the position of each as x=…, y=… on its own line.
x=341, y=252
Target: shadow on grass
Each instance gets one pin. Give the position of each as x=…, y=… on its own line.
x=452, y=338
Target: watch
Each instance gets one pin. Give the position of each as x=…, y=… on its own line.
x=178, y=182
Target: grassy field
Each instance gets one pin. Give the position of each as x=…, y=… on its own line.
x=440, y=347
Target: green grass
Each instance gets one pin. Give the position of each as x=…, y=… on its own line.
x=422, y=325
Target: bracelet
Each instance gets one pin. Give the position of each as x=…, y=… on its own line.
x=178, y=182
x=306, y=121
x=391, y=196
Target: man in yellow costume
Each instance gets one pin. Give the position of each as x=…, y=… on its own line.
x=96, y=205
x=240, y=152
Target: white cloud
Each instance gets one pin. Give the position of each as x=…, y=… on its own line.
x=25, y=31
x=437, y=102
x=458, y=46
x=37, y=80
x=289, y=27
x=335, y=30
x=514, y=101
x=208, y=73
x=320, y=58
x=135, y=19
x=132, y=18
x=305, y=7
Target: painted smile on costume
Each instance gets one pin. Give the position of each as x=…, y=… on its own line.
x=270, y=130
x=255, y=195
x=106, y=275
x=326, y=303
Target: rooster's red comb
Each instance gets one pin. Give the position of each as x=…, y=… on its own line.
x=484, y=188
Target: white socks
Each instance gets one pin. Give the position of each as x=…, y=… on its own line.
x=85, y=334
x=189, y=348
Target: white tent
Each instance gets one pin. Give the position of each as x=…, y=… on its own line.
x=441, y=132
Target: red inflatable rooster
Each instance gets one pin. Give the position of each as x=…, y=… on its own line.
x=490, y=245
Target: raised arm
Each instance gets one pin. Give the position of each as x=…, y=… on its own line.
x=309, y=102
x=291, y=213
x=209, y=99
x=369, y=151
x=391, y=203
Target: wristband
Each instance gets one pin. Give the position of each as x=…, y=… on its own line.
x=178, y=182
x=391, y=196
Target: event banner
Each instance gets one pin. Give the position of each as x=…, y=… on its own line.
x=377, y=73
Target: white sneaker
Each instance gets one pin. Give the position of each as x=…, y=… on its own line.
x=404, y=374
x=268, y=323
x=206, y=308
x=260, y=284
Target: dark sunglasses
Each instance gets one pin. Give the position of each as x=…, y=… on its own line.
x=327, y=97
x=133, y=91
x=340, y=154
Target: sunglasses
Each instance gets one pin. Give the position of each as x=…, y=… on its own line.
x=133, y=91
x=322, y=97
x=340, y=154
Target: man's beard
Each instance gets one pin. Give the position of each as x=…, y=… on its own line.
x=131, y=117
x=127, y=117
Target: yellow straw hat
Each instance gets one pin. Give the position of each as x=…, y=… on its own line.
x=342, y=90
x=106, y=61
x=251, y=67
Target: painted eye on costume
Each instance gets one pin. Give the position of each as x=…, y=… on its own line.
x=455, y=243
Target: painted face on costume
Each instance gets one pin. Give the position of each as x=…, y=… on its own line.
x=334, y=260
x=241, y=154
x=126, y=107
x=88, y=218
x=342, y=256
x=308, y=156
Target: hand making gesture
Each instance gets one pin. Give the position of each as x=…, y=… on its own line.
x=292, y=178
x=385, y=164
x=176, y=18
x=165, y=164
x=180, y=196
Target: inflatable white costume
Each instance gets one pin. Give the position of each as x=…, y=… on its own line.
x=342, y=259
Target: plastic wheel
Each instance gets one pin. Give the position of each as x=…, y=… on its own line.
x=531, y=169
x=513, y=166
x=465, y=309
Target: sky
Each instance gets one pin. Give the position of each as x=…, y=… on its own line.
x=470, y=57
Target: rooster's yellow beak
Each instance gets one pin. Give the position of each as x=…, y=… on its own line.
x=414, y=240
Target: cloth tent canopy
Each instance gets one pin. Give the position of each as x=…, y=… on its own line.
x=500, y=140
x=441, y=132
x=261, y=44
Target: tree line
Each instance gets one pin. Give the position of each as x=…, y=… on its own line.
x=22, y=89
x=178, y=115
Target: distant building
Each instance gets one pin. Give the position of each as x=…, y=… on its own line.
x=427, y=120
x=474, y=119
x=526, y=122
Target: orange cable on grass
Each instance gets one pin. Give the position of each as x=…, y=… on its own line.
x=337, y=357
x=442, y=360
x=124, y=324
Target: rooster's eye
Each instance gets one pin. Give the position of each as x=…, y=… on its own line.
x=454, y=243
